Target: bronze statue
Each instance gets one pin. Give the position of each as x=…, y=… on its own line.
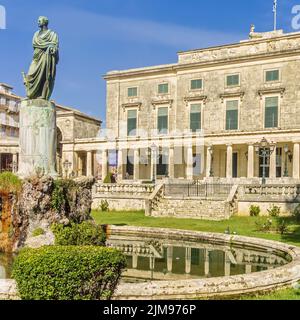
x=39, y=81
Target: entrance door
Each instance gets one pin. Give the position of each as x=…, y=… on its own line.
x=235, y=165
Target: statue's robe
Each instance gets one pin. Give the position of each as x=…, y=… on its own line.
x=40, y=79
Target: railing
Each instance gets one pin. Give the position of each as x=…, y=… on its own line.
x=277, y=191
x=103, y=188
x=203, y=190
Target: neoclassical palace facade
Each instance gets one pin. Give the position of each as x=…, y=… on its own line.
x=205, y=114
x=199, y=118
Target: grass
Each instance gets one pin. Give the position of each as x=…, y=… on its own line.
x=241, y=225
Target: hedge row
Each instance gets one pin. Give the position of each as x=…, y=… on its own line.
x=68, y=272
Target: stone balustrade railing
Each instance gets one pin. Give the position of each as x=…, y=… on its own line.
x=288, y=192
x=115, y=188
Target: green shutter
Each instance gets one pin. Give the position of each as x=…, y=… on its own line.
x=131, y=122
x=163, y=88
x=195, y=117
x=272, y=75
x=232, y=115
x=162, y=121
x=196, y=84
x=271, y=112
x=233, y=80
x=132, y=92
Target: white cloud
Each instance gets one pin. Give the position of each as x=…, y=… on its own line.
x=99, y=27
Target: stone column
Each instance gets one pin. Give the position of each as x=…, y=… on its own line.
x=134, y=261
x=152, y=263
x=189, y=163
x=296, y=161
x=250, y=173
x=89, y=163
x=273, y=165
x=171, y=163
x=104, y=164
x=153, y=164
x=229, y=162
x=170, y=259
x=120, y=165
x=188, y=260
x=15, y=163
x=79, y=165
x=208, y=161
x=136, y=170
x=206, y=262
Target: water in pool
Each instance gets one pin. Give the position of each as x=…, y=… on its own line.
x=6, y=261
x=157, y=259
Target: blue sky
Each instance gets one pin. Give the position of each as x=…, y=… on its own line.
x=97, y=36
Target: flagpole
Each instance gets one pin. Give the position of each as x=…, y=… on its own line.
x=275, y=14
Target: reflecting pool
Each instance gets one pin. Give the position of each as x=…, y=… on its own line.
x=157, y=259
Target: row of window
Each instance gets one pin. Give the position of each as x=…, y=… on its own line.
x=232, y=80
x=231, y=123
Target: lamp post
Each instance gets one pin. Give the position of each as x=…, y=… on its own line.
x=67, y=165
x=153, y=155
x=264, y=149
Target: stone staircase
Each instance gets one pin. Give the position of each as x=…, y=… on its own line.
x=215, y=207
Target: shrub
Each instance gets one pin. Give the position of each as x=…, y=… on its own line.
x=264, y=225
x=254, y=211
x=68, y=273
x=79, y=234
x=296, y=213
x=62, y=194
x=108, y=178
x=282, y=226
x=9, y=182
x=104, y=206
x=38, y=232
x=274, y=211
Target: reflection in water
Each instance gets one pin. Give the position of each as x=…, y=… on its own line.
x=152, y=259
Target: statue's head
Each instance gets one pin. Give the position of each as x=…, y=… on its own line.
x=43, y=21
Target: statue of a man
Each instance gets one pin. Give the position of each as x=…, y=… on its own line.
x=39, y=81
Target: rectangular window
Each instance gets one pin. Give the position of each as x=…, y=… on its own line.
x=163, y=88
x=132, y=92
x=196, y=84
x=233, y=80
x=162, y=120
x=272, y=75
x=271, y=112
x=131, y=122
x=232, y=114
x=195, y=117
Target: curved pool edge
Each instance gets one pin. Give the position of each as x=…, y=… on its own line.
x=212, y=288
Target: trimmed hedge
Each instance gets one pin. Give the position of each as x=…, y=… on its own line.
x=86, y=233
x=68, y=272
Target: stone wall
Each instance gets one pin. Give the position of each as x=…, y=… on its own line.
x=192, y=208
x=120, y=203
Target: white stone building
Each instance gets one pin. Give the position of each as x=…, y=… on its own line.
x=204, y=114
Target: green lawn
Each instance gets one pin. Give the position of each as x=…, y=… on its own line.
x=241, y=225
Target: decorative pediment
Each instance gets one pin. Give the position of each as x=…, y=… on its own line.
x=231, y=95
x=156, y=103
x=195, y=99
x=263, y=92
x=132, y=105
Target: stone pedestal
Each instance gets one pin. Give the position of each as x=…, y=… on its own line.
x=37, y=138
